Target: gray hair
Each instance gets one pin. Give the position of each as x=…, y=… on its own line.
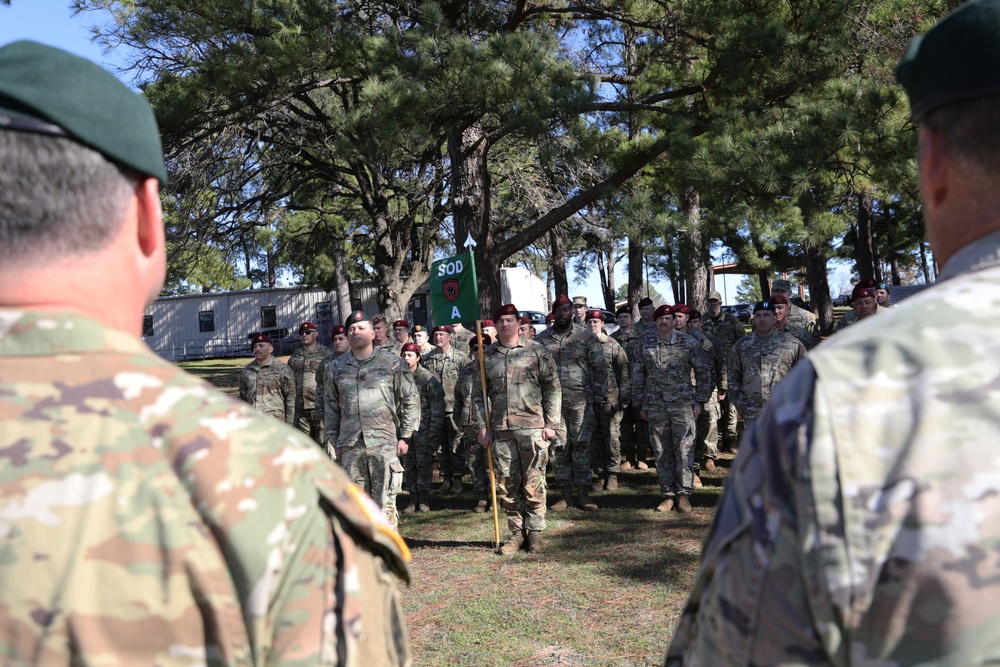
x=58, y=198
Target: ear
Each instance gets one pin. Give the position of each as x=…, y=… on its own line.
x=933, y=165
x=150, y=236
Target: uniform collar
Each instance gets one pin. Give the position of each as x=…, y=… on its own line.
x=983, y=253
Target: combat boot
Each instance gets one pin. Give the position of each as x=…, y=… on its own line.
x=611, y=484
x=536, y=544
x=456, y=484
x=666, y=505
x=641, y=465
x=513, y=545
x=445, y=487
x=684, y=505
x=626, y=465
x=482, y=505
x=424, y=501
x=696, y=482
x=709, y=464
x=598, y=485
x=583, y=500
x=565, y=501
x=412, y=506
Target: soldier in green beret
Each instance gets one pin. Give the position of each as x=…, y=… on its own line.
x=147, y=518
x=860, y=523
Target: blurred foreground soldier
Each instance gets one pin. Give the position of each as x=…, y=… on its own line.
x=583, y=379
x=372, y=410
x=781, y=308
x=304, y=362
x=606, y=449
x=760, y=361
x=522, y=387
x=727, y=329
x=267, y=383
x=463, y=418
x=422, y=338
x=146, y=517
x=860, y=524
x=338, y=336
x=445, y=363
x=665, y=364
x=799, y=317
x=418, y=462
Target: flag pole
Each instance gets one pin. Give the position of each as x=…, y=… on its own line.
x=489, y=450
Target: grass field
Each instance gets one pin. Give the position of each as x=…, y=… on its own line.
x=607, y=591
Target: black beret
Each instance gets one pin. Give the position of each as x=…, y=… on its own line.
x=763, y=305
x=93, y=107
x=959, y=59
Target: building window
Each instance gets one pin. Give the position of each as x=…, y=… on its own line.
x=324, y=311
x=268, y=317
x=206, y=320
x=147, y=325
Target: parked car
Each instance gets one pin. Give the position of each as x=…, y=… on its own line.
x=842, y=300
x=537, y=319
x=741, y=311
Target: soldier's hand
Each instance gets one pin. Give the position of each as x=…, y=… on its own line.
x=485, y=438
x=697, y=409
x=401, y=447
x=548, y=433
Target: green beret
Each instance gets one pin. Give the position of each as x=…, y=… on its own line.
x=88, y=103
x=959, y=59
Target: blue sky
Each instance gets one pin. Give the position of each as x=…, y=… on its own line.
x=52, y=22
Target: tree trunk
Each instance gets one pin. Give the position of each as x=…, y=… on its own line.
x=698, y=270
x=864, y=252
x=635, y=266
x=608, y=282
x=557, y=265
x=342, y=282
x=819, y=286
x=923, y=262
x=764, y=278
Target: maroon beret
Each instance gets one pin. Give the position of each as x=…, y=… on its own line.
x=401, y=323
x=595, y=314
x=307, y=326
x=646, y=302
x=339, y=330
x=680, y=308
x=262, y=338
x=867, y=282
x=524, y=320
x=663, y=310
x=694, y=314
x=862, y=292
x=489, y=323
x=779, y=299
x=506, y=309
x=550, y=318
x=474, y=342
x=443, y=327
x=411, y=347
x=561, y=300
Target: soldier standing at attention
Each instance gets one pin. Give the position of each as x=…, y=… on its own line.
x=580, y=310
x=525, y=328
x=666, y=361
x=338, y=336
x=372, y=409
x=139, y=505
x=524, y=416
x=418, y=462
x=460, y=338
x=758, y=362
x=606, y=441
x=422, y=338
x=445, y=363
x=583, y=378
x=267, y=383
x=635, y=444
x=464, y=420
x=727, y=329
x=646, y=320
x=864, y=304
x=781, y=308
x=401, y=335
x=381, y=330
x=799, y=317
x=706, y=438
x=304, y=363
x=860, y=524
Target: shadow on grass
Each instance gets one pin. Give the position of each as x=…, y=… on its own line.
x=448, y=544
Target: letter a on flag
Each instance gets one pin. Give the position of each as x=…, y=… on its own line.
x=454, y=291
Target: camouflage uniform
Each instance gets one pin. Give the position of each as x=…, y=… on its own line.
x=463, y=419
x=850, y=317
x=445, y=366
x=756, y=365
x=320, y=392
x=270, y=388
x=148, y=518
x=805, y=320
x=727, y=329
x=858, y=525
x=661, y=385
x=606, y=447
x=633, y=428
x=304, y=365
x=797, y=332
x=583, y=377
x=706, y=441
x=522, y=386
x=369, y=405
x=460, y=340
x=418, y=461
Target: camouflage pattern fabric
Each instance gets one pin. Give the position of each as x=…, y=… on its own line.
x=147, y=518
x=418, y=462
x=606, y=445
x=798, y=332
x=445, y=366
x=304, y=365
x=671, y=434
x=583, y=377
x=803, y=319
x=522, y=387
x=464, y=406
x=850, y=317
x=270, y=388
x=706, y=442
x=460, y=340
x=858, y=525
x=369, y=405
x=520, y=458
x=756, y=365
x=662, y=373
x=634, y=434
x=727, y=329
x=320, y=392
x=425, y=349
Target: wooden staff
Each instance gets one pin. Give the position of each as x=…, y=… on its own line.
x=489, y=450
